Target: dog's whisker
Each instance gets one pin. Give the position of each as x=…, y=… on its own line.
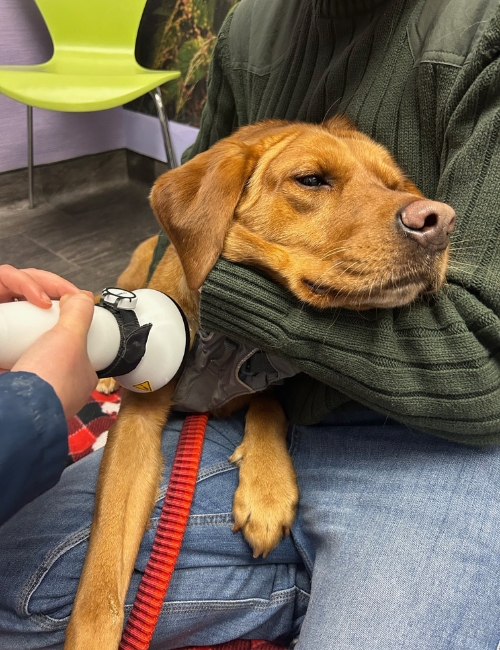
x=318, y=281
x=348, y=268
x=339, y=248
x=334, y=252
x=328, y=270
x=464, y=246
x=328, y=110
x=454, y=264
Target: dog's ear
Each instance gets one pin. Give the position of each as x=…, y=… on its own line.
x=195, y=203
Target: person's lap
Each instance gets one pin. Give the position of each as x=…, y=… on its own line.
x=407, y=549
x=218, y=591
x=401, y=529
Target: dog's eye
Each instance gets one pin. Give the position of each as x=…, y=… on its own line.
x=311, y=180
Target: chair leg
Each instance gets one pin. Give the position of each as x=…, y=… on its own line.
x=160, y=109
x=31, y=179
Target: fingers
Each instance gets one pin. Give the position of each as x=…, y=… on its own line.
x=51, y=283
x=34, y=285
x=76, y=313
x=60, y=355
x=15, y=283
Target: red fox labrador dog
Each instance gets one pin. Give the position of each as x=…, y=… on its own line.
x=324, y=211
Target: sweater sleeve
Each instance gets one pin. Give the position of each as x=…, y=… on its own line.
x=33, y=440
x=434, y=365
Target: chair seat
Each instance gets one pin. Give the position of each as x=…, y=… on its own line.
x=80, y=85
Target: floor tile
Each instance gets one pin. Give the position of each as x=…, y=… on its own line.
x=23, y=252
x=88, y=219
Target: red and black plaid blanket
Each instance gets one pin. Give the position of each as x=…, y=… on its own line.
x=87, y=432
x=88, y=429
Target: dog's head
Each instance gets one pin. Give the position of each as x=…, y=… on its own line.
x=321, y=208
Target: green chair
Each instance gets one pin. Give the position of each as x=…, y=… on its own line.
x=93, y=66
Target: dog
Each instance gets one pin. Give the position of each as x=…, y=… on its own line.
x=324, y=211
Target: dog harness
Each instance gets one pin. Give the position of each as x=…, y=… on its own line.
x=218, y=370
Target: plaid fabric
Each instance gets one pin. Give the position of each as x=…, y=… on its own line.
x=87, y=432
x=88, y=429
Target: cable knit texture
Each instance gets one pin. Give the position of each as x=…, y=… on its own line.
x=423, y=78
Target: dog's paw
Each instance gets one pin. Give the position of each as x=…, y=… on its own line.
x=265, y=501
x=107, y=386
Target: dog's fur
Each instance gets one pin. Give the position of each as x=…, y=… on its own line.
x=314, y=207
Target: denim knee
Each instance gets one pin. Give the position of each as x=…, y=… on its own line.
x=216, y=577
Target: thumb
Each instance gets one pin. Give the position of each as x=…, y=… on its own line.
x=76, y=311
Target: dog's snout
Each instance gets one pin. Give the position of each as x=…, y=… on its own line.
x=429, y=223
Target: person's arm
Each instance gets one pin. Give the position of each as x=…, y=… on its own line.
x=49, y=383
x=434, y=365
x=33, y=440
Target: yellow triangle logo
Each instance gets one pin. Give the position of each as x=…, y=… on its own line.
x=145, y=386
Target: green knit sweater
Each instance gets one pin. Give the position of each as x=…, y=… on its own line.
x=423, y=78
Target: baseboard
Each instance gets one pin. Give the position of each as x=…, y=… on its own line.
x=143, y=135
x=82, y=175
x=83, y=134
x=144, y=169
x=142, y=160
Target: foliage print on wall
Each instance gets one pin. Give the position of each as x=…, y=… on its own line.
x=180, y=35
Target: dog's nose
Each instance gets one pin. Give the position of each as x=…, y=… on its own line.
x=429, y=223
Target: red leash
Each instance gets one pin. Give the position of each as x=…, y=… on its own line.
x=170, y=532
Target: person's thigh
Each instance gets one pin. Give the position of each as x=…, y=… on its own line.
x=403, y=530
x=218, y=591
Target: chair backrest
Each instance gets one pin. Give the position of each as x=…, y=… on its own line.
x=93, y=24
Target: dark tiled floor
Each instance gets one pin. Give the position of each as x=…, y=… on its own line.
x=90, y=214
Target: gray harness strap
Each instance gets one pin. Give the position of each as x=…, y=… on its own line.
x=219, y=369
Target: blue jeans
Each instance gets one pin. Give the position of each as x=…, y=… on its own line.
x=396, y=546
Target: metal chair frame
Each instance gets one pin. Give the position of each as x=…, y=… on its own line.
x=165, y=129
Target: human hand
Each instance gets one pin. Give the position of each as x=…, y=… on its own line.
x=60, y=355
x=34, y=285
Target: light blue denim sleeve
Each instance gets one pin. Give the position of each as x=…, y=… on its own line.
x=33, y=440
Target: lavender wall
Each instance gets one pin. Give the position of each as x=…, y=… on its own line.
x=24, y=39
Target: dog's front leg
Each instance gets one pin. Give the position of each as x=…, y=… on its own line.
x=127, y=489
x=267, y=495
